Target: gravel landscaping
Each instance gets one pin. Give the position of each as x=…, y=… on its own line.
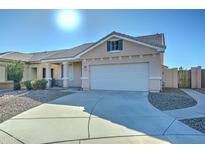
x=171, y=99
x=196, y=123
x=11, y=92
x=15, y=102
x=46, y=95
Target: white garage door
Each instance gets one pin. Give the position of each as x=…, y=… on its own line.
x=132, y=77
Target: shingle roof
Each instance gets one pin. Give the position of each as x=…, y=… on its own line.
x=69, y=53
x=34, y=57
x=40, y=55
x=154, y=40
x=15, y=56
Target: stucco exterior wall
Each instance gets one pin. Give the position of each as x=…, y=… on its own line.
x=40, y=66
x=129, y=48
x=131, y=53
x=27, y=74
x=2, y=73
x=6, y=85
x=170, y=77
x=76, y=82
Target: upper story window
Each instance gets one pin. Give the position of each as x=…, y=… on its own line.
x=114, y=45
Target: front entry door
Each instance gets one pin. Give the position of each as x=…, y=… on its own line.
x=52, y=73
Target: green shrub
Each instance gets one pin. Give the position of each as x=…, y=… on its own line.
x=41, y=84
x=15, y=73
x=28, y=84
x=35, y=84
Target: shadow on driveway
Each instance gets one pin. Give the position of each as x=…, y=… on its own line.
x=114, y=113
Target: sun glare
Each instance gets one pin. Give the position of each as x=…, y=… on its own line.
x=68, y=19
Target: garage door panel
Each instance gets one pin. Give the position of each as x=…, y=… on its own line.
x=133, y=77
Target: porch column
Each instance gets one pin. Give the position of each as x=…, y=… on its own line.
x=48, y=74
x=65, y=74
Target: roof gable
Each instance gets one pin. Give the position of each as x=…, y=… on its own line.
x=145, y=41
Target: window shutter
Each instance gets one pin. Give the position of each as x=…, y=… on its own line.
x=108, y=45
x=120, y=44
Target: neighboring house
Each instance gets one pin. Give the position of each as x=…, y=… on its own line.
x=115, y=62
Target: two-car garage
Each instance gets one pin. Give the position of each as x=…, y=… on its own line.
x=122, y=62
x=130, y=77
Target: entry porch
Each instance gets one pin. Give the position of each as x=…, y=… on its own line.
x=64, y=74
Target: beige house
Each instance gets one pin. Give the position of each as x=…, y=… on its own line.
x=115, y=62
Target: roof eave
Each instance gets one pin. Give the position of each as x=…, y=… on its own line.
x=59, y=59
x=6, y=59
x=161, y=50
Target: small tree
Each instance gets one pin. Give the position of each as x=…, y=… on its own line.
x=15, y=73
x=181, y=68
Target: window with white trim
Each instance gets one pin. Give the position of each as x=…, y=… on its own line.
x=114, y=45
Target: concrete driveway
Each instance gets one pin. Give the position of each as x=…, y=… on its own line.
x=97, y=117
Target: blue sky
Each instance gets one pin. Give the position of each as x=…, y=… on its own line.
x=37, y=30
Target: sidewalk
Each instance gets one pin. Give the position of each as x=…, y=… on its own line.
x=191, y=112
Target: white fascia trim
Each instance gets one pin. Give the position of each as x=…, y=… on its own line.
x=125, y=38
x=114, y=51
x=155, y=78
x=162, y=50
x=60, y=59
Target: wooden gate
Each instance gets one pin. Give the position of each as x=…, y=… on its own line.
x=203, y=78
x=184, y=78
